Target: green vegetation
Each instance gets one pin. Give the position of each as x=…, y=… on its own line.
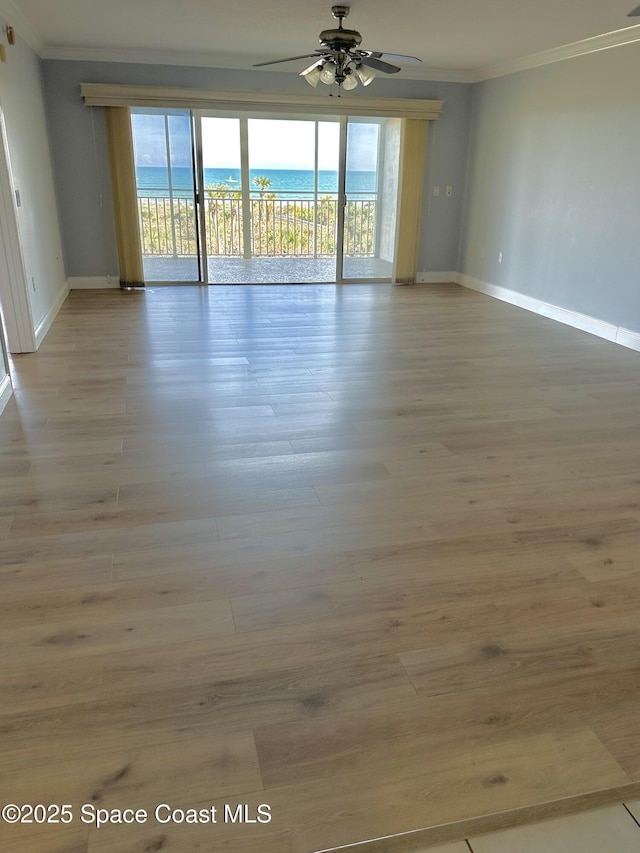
x=279, y=227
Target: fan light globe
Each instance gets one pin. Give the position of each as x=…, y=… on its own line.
x=328, y=73
x=311, y=75
x=350, y=82
x=366, y=75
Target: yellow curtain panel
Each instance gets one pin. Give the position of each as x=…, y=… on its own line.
x=125, y=203
x=413, y=153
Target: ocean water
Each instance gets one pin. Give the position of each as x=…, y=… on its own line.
x=153, y=181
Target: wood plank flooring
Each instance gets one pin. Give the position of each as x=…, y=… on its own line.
x=368, y=555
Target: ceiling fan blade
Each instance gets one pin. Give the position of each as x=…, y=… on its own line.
x=379, y=65
x=635, y=13
x=288, y=59
x=395, y=57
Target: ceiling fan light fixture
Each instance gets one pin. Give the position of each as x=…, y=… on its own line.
x=340, y=60
x=328, y=73
x=366, y=75
x=312, y=74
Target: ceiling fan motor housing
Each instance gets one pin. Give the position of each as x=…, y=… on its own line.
x=339, y=38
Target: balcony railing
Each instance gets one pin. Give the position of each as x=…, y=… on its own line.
x=279, y=227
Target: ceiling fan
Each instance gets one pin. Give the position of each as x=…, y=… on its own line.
x=341, y=60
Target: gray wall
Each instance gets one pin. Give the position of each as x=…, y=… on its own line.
x=554, y=184
x=79, y=151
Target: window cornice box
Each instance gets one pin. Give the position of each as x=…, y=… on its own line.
x=107, y=95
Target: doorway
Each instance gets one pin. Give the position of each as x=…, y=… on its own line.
x=234, y=199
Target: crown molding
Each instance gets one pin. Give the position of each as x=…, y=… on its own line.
x=222, y=60
x=440, y=75
x=12, y=15
x=209, y=59
x=617, y=38
x=204, y=59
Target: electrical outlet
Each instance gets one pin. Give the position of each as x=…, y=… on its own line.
x=449, y=191
x=436, y=191
x=500, y=257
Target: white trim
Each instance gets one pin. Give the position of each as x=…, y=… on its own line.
x=45, y=324
x=22, y=25
x=93, y=282
x=110, y=95
x=6, y=390
x=212, y=59
x=617, y=38
x=436, y=277
x=207, y=59
x=628, y=338
x=584, y=322
x=14, y=292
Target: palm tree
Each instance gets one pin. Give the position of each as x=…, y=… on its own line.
x=262, y=183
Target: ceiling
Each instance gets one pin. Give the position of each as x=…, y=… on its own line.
x=459, y=38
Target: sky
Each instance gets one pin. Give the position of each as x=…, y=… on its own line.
x=273, y=143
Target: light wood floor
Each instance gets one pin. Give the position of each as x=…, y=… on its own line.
x=367, y=555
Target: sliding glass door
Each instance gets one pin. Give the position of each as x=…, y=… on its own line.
x=232, y=199
x=270, y=199
x=163, y=145
x=369, y=196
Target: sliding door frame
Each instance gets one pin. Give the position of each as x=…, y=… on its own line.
x=200, y=204
x=342, y=200
x=408, y=109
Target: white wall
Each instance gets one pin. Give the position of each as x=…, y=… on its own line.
x=554, y=184
x=22, y=100
x=5, y=382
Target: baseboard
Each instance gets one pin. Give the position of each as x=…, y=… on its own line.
x=45, y=324
x=627, y=338
x=584, y=322
x=6, y=391
x=93, y=282
x=436, y=277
